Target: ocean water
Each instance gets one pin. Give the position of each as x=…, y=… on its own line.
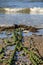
x=33, y=18
x=21, y=3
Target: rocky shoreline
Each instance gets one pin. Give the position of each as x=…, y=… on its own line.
x=23, y=50
x=23, y=27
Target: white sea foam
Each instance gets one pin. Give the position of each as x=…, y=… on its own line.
x=34, y=10
x=13, y=10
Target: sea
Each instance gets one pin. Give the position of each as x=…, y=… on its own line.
x=26, y=12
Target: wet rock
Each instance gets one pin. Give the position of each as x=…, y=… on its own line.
x=38, y=42
x=29, y=28
x=22, y=59
x=1, y=41
x=33, y=29
x=26, y=42
x=23, y=27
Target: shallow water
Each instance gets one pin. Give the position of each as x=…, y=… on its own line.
x=4, y=34
x=27, y=19
x=27, y=33
x=11, y=47
x=40, y=32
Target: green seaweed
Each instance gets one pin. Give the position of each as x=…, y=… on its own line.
x=17, y=37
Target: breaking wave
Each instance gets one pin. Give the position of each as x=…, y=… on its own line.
x=34, y=10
